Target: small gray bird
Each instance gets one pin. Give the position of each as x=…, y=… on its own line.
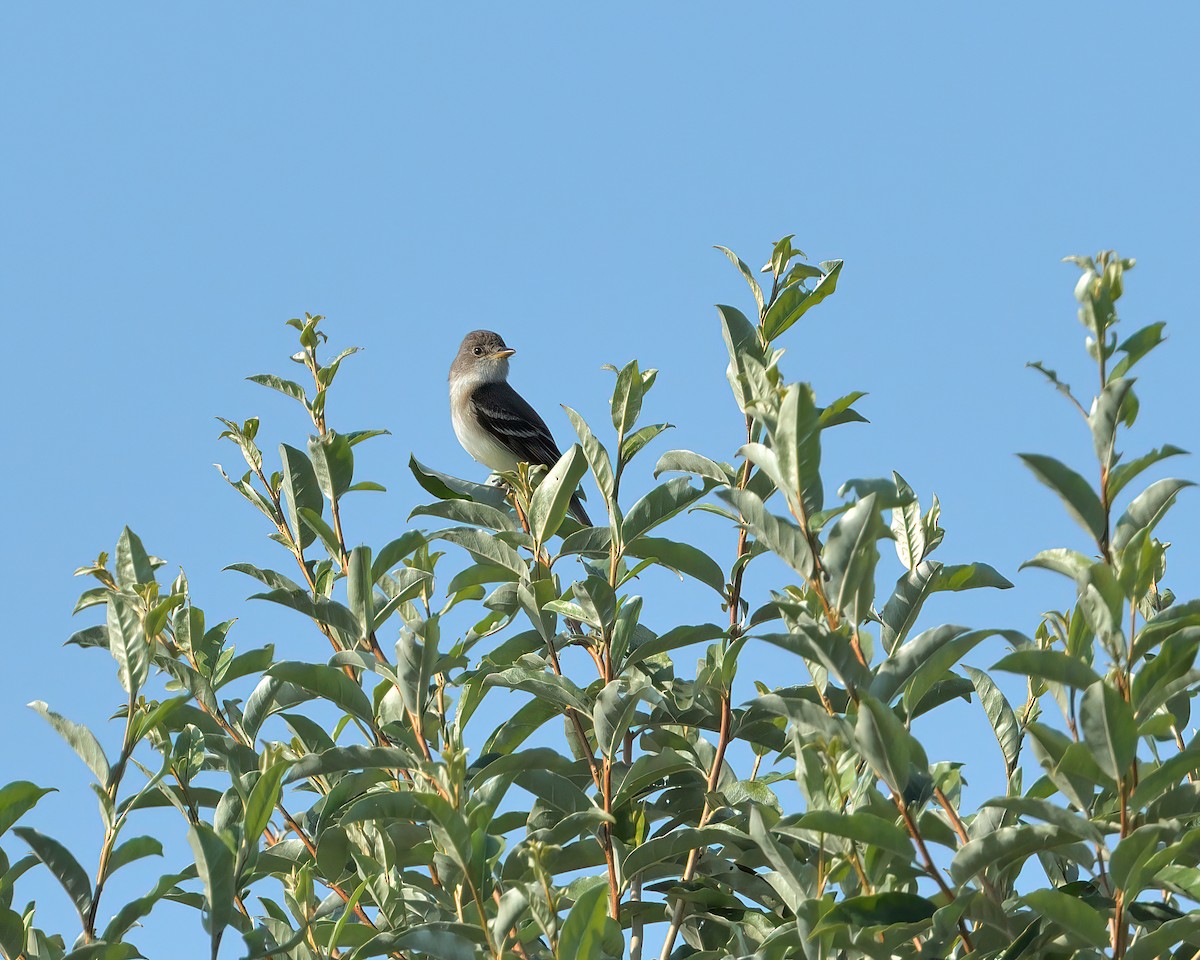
x=493, y=422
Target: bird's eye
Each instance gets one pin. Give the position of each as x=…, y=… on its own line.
x=479, y=351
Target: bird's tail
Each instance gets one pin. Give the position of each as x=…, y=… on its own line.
x=578, y=512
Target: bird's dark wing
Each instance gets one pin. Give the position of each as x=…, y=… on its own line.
x=504, y=413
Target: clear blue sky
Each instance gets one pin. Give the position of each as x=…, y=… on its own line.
x=177, y=180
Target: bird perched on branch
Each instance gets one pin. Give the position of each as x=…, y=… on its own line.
x=492, y=421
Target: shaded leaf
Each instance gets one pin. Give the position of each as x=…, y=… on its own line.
x=16, y=799
x=80, y=739
x=1051, y=665
x=328, y=683
x=879, y=909
x=1147, y=509
x=1071, y=914
x=1081, y=500
x=214, y=866
x=300, y=491
x=63, y=865
x=550, y=501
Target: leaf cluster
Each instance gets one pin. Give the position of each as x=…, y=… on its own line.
x=364, y=805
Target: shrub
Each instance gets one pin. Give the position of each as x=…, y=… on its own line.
x=627, y=806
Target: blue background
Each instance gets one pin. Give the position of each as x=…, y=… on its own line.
x=180, y=179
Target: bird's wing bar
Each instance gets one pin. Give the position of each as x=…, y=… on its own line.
x=515, y=424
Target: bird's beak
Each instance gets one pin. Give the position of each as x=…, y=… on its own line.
x=503, y=354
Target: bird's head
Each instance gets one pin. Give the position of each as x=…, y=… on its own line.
x=482, y=357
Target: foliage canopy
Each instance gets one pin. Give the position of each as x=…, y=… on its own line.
x=625, y=806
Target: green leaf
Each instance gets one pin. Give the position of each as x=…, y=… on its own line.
x=94, y=636
x=485, y=548
x=684, y=461
x=1129, y=865
x=1000, y=715
x=597, y=455
x=354, y=757
x=329, y=683
x=1147, y=509
x=1005, y=846
x=12, y=933
x=970, y=576
x=742, y=342
x=627, y=398
x=1109, y=729
x=288, y=388
x=62, y=863
x=1071, y=824
x=1081, y=500
x=796, y=300
x=467, y=511
x=300, y=491
x=135, y=848
x=746, y=273
x=615, y=706
x=683, y=558
x=527, y=720
x=878, y=910
x=864, y=828
x=1053, y=665
x=395, y=551
x=263, y=798
x=850, y=557
x=674, y=846
x=633, y=444
x=899, y=667
x=272, y=578
x=1052, y=376
x=903, y=607
x=333, y=463
x=884, y=743
x=1105, y=415
x=786, y=882
x=674, y=638
x=214, y=865
x=817, y=643
x=1070, y=563
x=560, y=691
x=80, y=739
x=136, y=910
x=17, y=799
x=448, y=824
x=133, y=564
x=780, y=536
x=1123, y=473
x=329, y=612
x=797, y=446
x=1136, y=346
x=360, y=589
x=445, y=487
x=415, y=662
x=127, y=642
x=1156, y=944
x=908, y=530
x=659, y=505
x=1153, y=782
x=1070, y=913
x=453, y=941
x=582, y=935
x=550, y=500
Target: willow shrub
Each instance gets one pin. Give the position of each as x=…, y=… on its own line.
x=364, y=806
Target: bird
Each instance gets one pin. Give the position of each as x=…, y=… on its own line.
x=493, y=422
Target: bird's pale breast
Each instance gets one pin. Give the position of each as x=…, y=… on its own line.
x=477, y=441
